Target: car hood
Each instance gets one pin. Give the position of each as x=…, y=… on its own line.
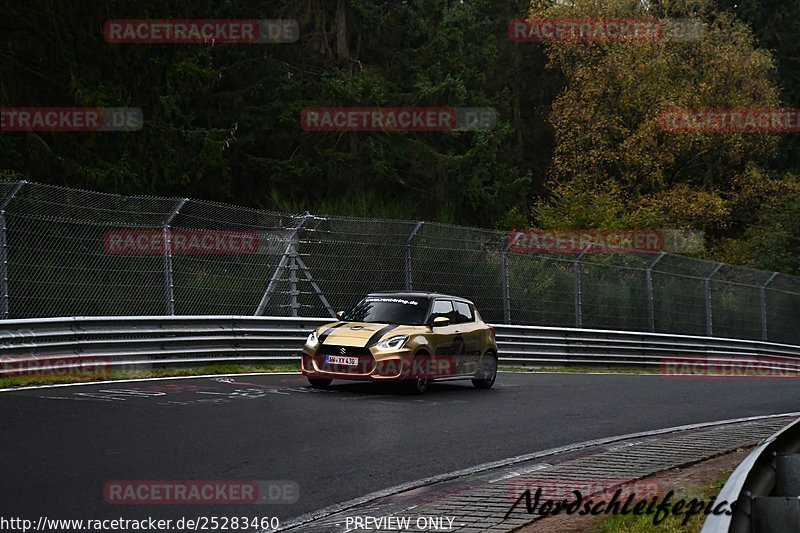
x=360, y=334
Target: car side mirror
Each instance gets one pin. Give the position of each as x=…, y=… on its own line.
x=440, y=322
x=339, y=314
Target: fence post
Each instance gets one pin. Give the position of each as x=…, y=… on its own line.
x=763, y=295
x=576, y=272
x=169, y=286
x=4, y=248
x=505, y=278
x=506, y=289
x=408, y=254
x=651, y=311
x=707, y=290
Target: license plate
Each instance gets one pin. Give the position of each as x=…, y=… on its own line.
x=339, y=360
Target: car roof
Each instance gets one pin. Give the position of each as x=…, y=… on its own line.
x=420, y=294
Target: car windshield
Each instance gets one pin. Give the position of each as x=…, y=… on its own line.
x=389, y=310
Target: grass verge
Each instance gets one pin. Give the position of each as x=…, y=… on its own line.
x=579, y=370
x=25, y=381
x=672, y=523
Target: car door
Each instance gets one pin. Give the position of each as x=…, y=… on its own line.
x=445, y=340
x=471, y=333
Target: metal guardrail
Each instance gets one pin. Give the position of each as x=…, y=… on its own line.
x=542, y=345
x=172, y=340
x=175, y=340
x=765, y=487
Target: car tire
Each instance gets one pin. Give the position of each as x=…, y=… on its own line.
x=320, y=383
x=416, y=384
x=487, y=372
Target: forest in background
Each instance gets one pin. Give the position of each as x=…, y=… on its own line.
x=577, y=143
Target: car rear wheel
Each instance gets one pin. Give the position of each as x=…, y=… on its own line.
x=319, y=383
x=417, y=382
x=487, y=373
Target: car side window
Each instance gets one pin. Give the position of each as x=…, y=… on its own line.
x=463, y=312
x=442, y=308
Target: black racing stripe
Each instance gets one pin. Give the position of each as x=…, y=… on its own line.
x=328, y=331
x=380, y=333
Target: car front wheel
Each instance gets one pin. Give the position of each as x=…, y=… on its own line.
x=418, y=381
x=487, y=373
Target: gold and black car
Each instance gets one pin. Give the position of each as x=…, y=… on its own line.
x=416, y=337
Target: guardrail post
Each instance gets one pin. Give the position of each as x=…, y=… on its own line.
x=4, y=248
x=707, y=292
x=408, y=254
x=289, y=256
x=651, y=311
x=169, y=286
x=576, y=272
x=763, y=297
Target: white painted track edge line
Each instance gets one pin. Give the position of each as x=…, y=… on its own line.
x=133, y=380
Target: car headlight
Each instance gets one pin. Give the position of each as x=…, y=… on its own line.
x=312, y=340
x=392, y=343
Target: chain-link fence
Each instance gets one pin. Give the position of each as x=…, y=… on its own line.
x=70, y=252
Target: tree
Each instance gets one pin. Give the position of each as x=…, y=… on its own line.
x=606, y=120
x=222, y=122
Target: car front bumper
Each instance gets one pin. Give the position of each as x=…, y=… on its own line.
x=371, y=366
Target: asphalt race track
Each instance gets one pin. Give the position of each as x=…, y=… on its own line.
x=61, y=445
